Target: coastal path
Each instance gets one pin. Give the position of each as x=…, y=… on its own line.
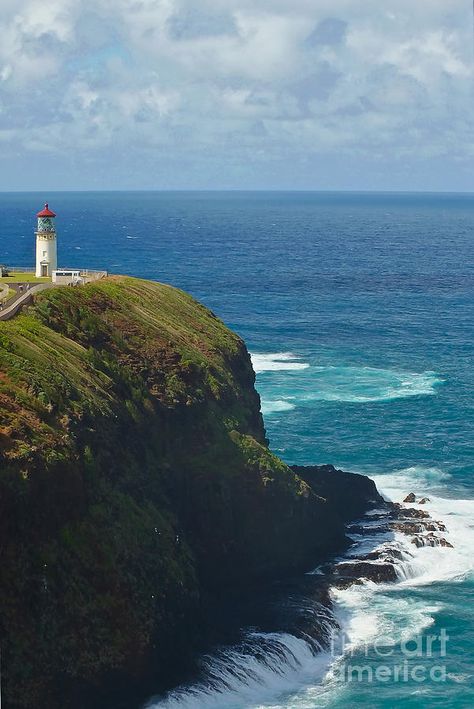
x=23, y=297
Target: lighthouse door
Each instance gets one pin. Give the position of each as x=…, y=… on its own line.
x=44, y=269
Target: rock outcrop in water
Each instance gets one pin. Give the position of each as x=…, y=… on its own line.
x=350, y=494
x=387, y=562
x=136, y=485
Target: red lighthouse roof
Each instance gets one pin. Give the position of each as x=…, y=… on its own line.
x=46, y=212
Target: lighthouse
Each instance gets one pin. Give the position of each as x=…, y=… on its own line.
x=46, y=247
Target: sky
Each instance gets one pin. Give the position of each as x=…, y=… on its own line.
x=237, y=94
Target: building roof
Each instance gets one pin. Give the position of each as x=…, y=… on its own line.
x=46, y=212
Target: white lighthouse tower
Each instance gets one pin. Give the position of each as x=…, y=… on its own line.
x=46, y=246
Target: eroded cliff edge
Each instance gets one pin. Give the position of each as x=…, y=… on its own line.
x=136, y=482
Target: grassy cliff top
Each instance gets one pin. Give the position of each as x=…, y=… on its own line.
x=81, y=352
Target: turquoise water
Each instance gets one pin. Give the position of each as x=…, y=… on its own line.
x=358, y=311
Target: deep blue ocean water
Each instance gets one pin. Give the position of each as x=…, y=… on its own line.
x=358, y=310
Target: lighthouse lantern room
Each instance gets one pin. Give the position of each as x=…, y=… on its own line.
x=46, y=247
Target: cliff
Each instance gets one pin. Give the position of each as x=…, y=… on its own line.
x=135, y=483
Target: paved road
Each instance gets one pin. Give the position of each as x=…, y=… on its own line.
x=21, y=299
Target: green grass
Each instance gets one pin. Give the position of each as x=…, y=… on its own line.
x=122, y=342
x=19, y=277
x=6, y=295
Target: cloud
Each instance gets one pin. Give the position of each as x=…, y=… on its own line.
x=159, y=93
x=328, y=32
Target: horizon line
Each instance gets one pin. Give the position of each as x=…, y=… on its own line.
x=239, y=190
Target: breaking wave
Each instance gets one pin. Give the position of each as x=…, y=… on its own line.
x=366, y=384
x=265, y=666
x=277, y=362
x=273, y=407
x=285, y=382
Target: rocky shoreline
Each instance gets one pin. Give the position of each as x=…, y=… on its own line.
x=383, y=563
x=380, y=565
x=302, y=606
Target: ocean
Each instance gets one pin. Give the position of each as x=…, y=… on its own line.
x=358, y=310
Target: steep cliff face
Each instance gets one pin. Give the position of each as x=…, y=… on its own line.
x=135, y=481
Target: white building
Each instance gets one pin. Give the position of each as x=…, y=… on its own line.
x=46, y=246
x=67, y=276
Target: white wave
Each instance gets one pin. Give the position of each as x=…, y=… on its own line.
x=277, y=362
x=272, y=407
x=371, y=610
x=245, y=678
x=367, y=384
x=419, y=477
x=339, y=383
x=459, y=677
x=434, y=564
x=439, y=564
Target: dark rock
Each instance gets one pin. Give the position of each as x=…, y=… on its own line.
x=424, y=500
x=430, y=540
x=420, y=541
x=350, y=493
x=445, y=543
x=435, y=527
x=407, y=527
x=410, y=498
x=366, y=530
x=387, y=553
x=411, y=512
x=378, y=573
x=343, y=583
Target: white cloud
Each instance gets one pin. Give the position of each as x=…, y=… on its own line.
x=236, y=86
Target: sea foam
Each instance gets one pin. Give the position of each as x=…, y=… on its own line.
x=273, y=407
x=265, y=666
x=277, y=362
x=306, y=383
x=429, y=564
x=375, y=610
x=368, y=384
